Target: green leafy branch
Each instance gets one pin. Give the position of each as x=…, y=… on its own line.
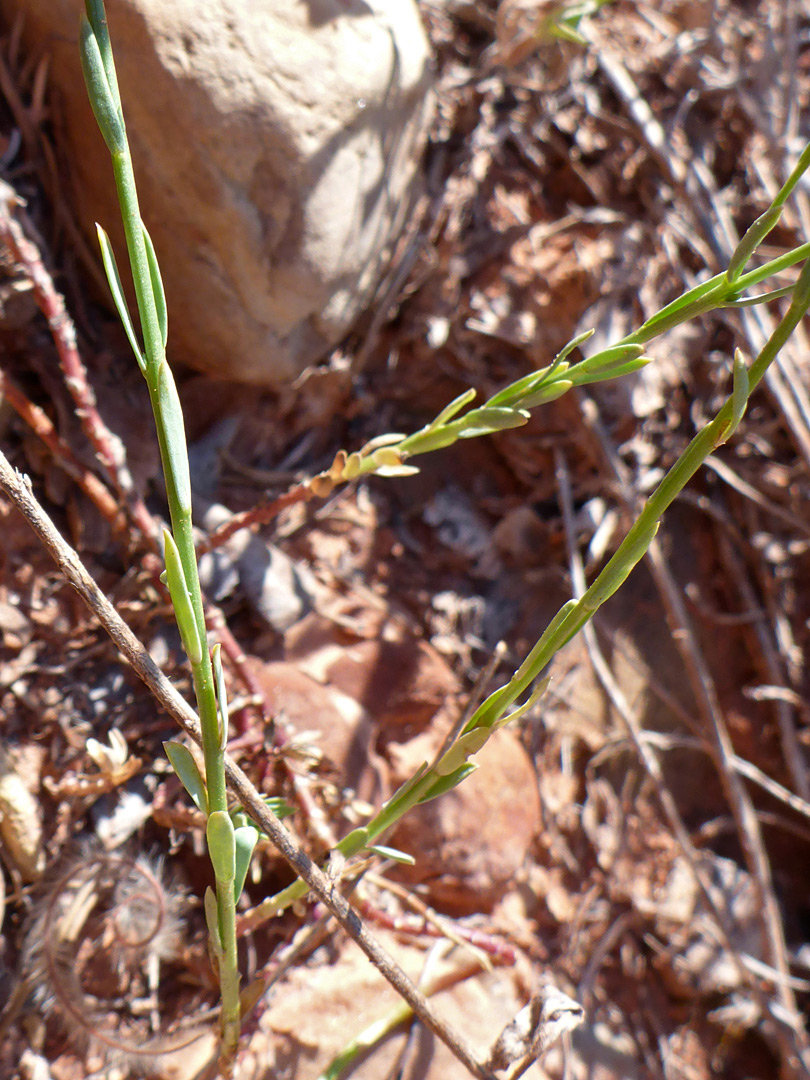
x=229, y=847
x=389, y=455
x=509, y=408
x=231, y=839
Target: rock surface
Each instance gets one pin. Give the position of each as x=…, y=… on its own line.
x=276, y=146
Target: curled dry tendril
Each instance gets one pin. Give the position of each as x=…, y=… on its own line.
x=93, y=952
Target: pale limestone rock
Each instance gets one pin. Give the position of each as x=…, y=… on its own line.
x=276, y=147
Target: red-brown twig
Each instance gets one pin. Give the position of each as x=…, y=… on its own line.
x=41, y=425
x=429, y=924
x=257, y=515
x=107, y=446
x=19, y=492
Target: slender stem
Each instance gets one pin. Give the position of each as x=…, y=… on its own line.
x=136, y=248
x=228, y=973
x=19, y=491
x=180, y=513
x=102, y=85
x=571, y=619
x=575, y=614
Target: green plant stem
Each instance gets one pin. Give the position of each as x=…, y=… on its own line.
x=136, y=249
x=718, y=292
x=366, y=1040
x=573, y=615
x=179, y=507
x=228, y=974
x=627, y=554
x=508, y=410
x=103, y=90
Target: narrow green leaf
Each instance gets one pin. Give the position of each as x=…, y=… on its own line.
x=354, y=841
x=801, y=167
x=601, y=590
x=390, y=813
x=531, y=666
x=610, y=358
x=753, y=237
x=212, y=921
x=491, y=707
x=801, y=290
x=117, y=290
x=549, y=392
x=447, y=783
x=463, y=748
x=97, y=18
x=393, y=853
x=486, y=420
x=515, y=393
x=455, y=406
x=183, y=763
x=181, y=600
x=279, y=806
x=175, y=435
x=221, y=845
x=245, y=839
x=584, y=378
x=425, y=441
x=102, y=99
x=157, y=286
x=689, y=304
x=760, y=298
x=741, y=390
x=567, y=349
x=739, y=396
x=222, y=696
x=521, y=710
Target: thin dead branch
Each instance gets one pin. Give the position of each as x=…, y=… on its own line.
x=19, y=491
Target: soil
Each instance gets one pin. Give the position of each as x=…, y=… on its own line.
x=567, y=186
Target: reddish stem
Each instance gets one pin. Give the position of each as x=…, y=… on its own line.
x=260, y=514
x=41, y=424
x=108, y=447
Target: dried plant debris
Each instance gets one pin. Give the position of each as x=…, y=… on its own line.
x=547, y=1017
x=96, y=952
x=693, y=957
x=20, y=814
x=568, y=186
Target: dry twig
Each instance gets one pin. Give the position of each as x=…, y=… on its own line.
x=20, y=493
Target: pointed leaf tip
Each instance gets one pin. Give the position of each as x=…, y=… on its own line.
x=157, y=286
x=117, y=290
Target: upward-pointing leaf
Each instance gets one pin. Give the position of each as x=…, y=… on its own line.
x=181, y=600
x=219, y=832
x=114, y=281
x=102, y=98
x=183, y=763
x=157, y=286
x=245, y=839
